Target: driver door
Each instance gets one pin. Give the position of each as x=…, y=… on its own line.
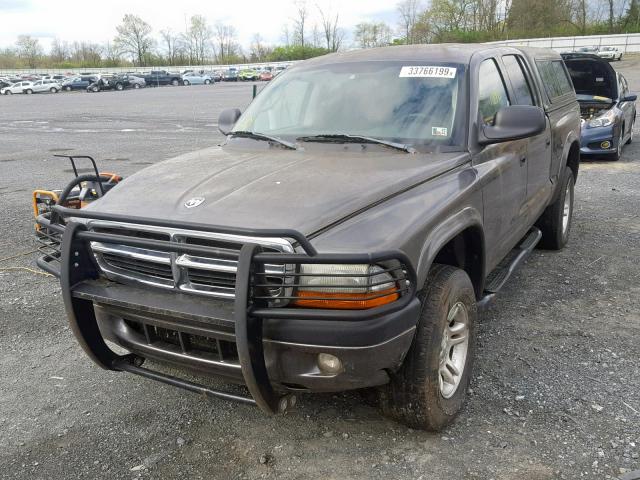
x=503, y=165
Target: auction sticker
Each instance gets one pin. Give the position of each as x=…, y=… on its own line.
x=422, y=71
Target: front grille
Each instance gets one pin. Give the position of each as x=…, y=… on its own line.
x=192, y=345
x=212, y=275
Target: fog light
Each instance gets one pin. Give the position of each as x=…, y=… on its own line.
x=606, y=144
x=329, y=363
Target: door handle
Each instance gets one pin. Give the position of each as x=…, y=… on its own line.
x=547, y=142
x=523, y=159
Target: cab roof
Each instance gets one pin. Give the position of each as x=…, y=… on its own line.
x=444, y=52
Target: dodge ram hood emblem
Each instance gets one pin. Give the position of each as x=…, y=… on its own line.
x=194, y=202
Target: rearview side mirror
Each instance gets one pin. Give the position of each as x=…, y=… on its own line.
x=513, y=122
x=632, y=97
x=227, y=119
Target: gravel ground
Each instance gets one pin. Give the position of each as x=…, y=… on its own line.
x=554, y=394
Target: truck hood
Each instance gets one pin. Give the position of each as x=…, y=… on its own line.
x=271, y=187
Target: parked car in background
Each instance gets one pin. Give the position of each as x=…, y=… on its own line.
x=78, y=83
x=162, y=77
x=266, y=76
x=4, y=83
x=590, y=49
x=58, y=78
x=18, y=87
x=217, y=75
x=278, y=70
x=230, y=75
x=193, y=78
x=607, y=107
x=610, y=53
x=43, y=86
x=135, y=81
x=114, y=82
x=248, y=74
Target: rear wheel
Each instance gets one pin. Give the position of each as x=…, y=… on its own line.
x=186, y=83
x=430, y=388
x=53, y=90
x=136, y=85
x=207, y=82
x=555, y=221
x=28, y=91
x=175, y=82
x=68, y=89
x=119, y=86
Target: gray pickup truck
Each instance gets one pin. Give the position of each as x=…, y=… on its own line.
x=360, y=213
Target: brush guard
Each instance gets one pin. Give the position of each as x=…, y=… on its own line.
x=67, y=254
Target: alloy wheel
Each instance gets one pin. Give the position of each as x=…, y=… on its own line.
x=453, y=349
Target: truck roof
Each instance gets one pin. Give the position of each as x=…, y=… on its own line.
x=443, y=52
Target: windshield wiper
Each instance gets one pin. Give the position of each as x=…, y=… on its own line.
x=262, y=136
x=342, y=138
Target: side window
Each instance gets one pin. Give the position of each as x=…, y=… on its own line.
x=564, y=82
x=519, y=80
x=548, y=78
x=492, y=95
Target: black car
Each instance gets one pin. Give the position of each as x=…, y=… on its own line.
x=607, y=108
x=112, y=82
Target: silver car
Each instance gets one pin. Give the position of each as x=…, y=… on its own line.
x=193, y=78
x=43, y=86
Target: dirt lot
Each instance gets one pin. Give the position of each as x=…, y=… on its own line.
x=555, y=393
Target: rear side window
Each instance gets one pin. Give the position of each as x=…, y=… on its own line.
x=492, y=94
x=555, y=78
x=519, y=80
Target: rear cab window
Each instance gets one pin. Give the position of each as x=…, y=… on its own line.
x=557, y=82
x=492, y=93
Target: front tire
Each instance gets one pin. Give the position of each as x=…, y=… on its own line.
x=175, y=82
x=53, y=90
x=555, y=221
x=207, y=82
x=136, y=86
x=186, y=83
x=430, y=387
x=28, y=91
x=618, y=153
x=119, y=87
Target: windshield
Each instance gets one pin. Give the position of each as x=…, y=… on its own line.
x=415, y=105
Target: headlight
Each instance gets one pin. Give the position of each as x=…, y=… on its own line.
x=603, y=120
x=344, y=286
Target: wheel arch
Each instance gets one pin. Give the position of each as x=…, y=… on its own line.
x=458, y=242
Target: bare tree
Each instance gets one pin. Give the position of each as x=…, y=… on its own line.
x=198, y=36
x=29, y=49
x=172, y=45
x=333, y=35
x=300, y=23
x=134, y=38
x=409, y=12
x=225, y=41
x=258, y=50
x=372, y=34
x=59, y=51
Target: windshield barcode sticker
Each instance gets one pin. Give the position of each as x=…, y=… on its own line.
x=427, y=72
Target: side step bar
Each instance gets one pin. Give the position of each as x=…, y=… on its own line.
x=499, y=276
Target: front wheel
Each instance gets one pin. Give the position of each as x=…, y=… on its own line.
x=186, y=83
x=28, y=91
x=136, y=85
x=618, y=153
x=207, y=82
x=8, y=92
x=555, y=221
x=119, y=86
x=68, y=89
x=430, y=387
x=175, y=82
x=53, y=90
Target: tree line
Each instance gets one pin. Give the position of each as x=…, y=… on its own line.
x=313, y=31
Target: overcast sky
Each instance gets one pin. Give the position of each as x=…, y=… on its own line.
x=95, y=21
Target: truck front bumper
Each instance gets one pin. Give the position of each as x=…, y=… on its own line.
x=271, y=350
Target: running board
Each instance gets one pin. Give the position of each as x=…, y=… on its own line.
x=499, y=276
